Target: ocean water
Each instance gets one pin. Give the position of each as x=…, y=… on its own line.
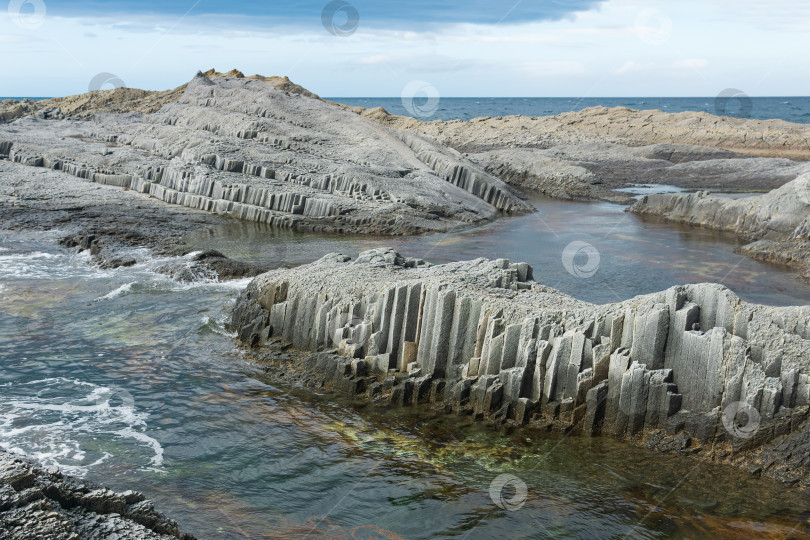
x=791, y=109
x=21, y=98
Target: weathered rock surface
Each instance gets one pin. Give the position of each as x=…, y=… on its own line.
x=109, y=222
x=776, y=225
x=578, y=155
x=43, y=504
x=595, y=170
x=587, y=154
x=243, y=148
x=122, y=100
x=689, y=369
x=618, y=125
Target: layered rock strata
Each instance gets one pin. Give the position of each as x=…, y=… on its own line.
x=776, y=226
x=244, y=148
x=690, y=367
x=40, y=503
x=618, y=125
x=588, y=154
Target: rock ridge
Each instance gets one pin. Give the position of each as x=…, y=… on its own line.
x=240, y=147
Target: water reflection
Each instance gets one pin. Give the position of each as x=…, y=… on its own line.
x=636, y=256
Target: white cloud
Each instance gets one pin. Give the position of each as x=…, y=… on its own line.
x=632, y=66
x=553, y=68
x=691, y=63
x=11, y=38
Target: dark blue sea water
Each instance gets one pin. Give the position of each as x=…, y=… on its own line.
x=21, y=98
x=791, y=109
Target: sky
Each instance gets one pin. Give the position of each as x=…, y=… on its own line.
x=364, y=48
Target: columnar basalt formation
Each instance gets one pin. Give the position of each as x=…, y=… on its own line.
x=690, y=366
x=244, y=148
x=775, y=225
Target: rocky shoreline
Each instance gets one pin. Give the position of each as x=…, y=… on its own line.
x=265, y=149
x=692, y=370
x=40, y=503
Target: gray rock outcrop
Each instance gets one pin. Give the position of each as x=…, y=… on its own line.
x=693, y=364
x=244, y=148
x=44, y=504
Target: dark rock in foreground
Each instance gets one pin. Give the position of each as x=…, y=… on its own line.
x=37, y=503
x=693, y=369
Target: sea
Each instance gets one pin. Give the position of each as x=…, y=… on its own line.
x=791, y=109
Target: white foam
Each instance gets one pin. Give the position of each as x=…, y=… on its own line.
x=54, y=421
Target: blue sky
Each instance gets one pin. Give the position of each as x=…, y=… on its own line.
x=583, y=48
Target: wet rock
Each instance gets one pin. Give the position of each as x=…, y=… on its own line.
x=38, y=503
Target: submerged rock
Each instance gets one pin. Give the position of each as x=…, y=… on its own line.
x=39, y=503
x=693, y=368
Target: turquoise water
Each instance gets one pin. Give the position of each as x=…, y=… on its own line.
x=129, y=378
x=791, y=109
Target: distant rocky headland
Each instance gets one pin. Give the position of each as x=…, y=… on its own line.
x=692, y=370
